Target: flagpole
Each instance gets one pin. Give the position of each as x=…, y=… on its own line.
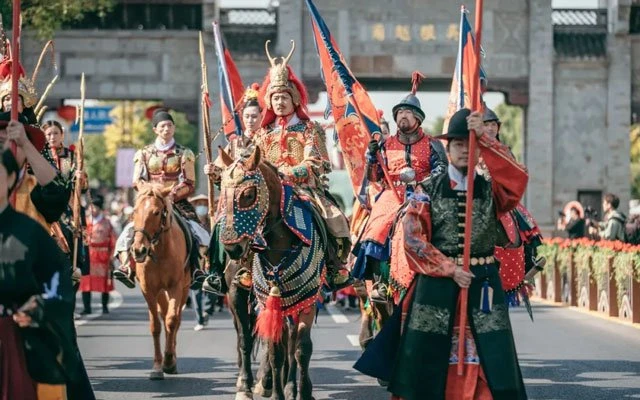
x=379, y=156
x=206, y=126
x=15, y=63
x=475, y=105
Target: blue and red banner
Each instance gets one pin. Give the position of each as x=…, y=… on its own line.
x=346, y=97
x=460, y=95
x=231, y=87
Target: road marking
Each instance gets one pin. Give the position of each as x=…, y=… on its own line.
x=354, y=340
x=337, y=315
x=115, y=302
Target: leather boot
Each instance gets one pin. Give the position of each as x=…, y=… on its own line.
x=86, y=302
x=124, y=273
x=105, y=303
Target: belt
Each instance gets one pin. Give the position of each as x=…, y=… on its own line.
x=474, y=260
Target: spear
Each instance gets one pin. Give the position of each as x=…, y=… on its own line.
x=475, y=105
x=206, y=106
x=15, y=64
x=77, y=221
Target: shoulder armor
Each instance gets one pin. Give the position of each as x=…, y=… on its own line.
x=188, y=155
x=138, y=156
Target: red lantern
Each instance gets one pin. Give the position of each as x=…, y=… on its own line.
x=149, y=111
x=68, y=113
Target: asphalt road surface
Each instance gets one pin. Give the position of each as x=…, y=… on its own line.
x=565, y=354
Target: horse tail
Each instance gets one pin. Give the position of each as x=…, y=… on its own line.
x=270, y=322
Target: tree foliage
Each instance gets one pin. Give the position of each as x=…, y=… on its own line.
x=436, y=128
x=47, y=16
x=634, y=156
x=130, y=128
x=511, y=128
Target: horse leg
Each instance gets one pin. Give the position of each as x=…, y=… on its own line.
x=304, y=349
x=366, y=330
x=239, y=307
x=277, y=357
x=264, y=386
x=155, y=327
x=171, y=325
x=291, y=385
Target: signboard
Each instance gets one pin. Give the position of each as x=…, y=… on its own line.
x=95, y=120
x=124, y=167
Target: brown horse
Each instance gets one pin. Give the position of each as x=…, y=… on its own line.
x=251, y=195
x=160, y=252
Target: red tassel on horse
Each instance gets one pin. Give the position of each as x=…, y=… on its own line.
x=270, y=321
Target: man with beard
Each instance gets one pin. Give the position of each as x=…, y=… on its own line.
x=410, y=156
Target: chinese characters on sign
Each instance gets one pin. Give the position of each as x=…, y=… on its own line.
x=409, y=33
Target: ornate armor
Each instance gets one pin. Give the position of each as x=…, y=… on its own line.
x=174, y=167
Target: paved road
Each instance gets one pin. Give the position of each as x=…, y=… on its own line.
x=565, y=354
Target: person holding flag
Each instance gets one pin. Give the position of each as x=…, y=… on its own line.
x=432, y=226
x=410, y=156
x=297, y=147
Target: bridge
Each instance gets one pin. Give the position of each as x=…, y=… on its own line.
x=572, y=71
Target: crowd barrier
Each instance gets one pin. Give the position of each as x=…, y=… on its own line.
x=601, y=276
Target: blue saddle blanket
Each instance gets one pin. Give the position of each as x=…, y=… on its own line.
x=297, y=214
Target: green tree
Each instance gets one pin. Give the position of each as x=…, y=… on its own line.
x=436, y=128
x=130, y=128
x=634, y=157
x=511, y=128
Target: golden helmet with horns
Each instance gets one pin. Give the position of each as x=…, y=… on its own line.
x=282, y=79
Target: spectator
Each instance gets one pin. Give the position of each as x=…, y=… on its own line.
x=613, y=226
x=575, y=228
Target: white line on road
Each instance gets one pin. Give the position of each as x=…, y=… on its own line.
x=337, y=315
x=116, y=301
x=354, y=340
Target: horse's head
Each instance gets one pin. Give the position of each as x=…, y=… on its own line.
x=250, y=192
x=151, y=217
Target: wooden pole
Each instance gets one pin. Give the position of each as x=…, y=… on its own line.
x=476, y=106
x=15, y=64
x=206, y=126
x=77, y=190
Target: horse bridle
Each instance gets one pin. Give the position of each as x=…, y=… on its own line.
x=153, y=240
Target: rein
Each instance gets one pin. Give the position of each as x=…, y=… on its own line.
x=153, y=240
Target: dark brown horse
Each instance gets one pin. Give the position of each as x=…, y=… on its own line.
x=160, y=252
x=251, y=193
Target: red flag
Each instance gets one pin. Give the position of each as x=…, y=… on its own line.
x=353, y=111
x=231, y=87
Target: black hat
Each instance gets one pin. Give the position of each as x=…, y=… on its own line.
x=160, y=115
x=458, y=128
x=98, y=201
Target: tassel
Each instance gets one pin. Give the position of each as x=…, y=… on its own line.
x=485, y=298
x=271, y=320
x=416, y=79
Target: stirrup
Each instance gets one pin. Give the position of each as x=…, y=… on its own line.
x=379, y=293
x=124, y=278
x=340, y=281
x=213, y=284
x=197, y=279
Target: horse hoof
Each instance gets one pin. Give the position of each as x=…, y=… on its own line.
x=244, y=396
x=172, y=370
x=383, y=383
x=261, y=390
x=156, y=375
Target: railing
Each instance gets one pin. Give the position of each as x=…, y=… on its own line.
x=601, y=276
x=577, y=20
x=245, y=30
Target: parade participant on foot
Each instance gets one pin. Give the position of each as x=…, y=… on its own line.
x=519, y=256
x=297, y=147
x=410, y=156
x=172, y=165
x=37, y=354
x=251, y=115
x=433, y=227
x=102, y=242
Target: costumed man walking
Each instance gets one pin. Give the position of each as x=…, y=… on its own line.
x=297, y=147
x=171, y=165
x=237, y=147
x=518, y=259
x=102, y=242
x=37, y=352
x=410, y=156
x=432, y=241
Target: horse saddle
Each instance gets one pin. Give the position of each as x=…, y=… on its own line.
x=192, y=249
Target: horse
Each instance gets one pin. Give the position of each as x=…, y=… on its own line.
x=287, y=270
x=159, y=250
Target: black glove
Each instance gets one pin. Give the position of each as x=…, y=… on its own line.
x=374, y=147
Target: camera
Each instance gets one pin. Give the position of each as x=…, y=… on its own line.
x=590, y=213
